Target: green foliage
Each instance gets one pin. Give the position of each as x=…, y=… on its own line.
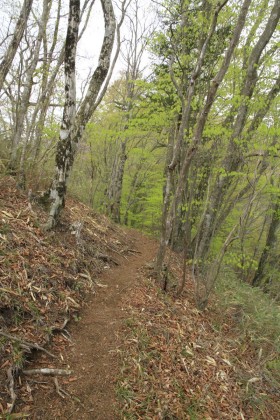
x=237, y=260
x=273, y=366
x=97, y=160
x=142, y=190
x=260, y=322
x=146, y=123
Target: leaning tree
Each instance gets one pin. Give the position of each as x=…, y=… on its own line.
x=74, y=122
x=11, y=51
x=231, y=80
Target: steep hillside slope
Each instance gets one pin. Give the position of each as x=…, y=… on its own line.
x=82, y=300
x=45, y=276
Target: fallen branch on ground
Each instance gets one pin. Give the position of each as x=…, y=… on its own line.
x=2, y=289
x=117, y=252
x=105, y=258
x=92, y=281
x=47, y=371
x=134, y=251
x=11, y=389
x=101, y=285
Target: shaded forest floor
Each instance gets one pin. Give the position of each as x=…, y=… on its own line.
x=85, y=294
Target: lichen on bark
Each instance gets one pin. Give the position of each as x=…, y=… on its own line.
x=73, y=124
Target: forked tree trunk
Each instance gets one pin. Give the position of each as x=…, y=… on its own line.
x=65, y=150
x=52, y=67
x=47, y=87
x=73, y=124
x=25, y=99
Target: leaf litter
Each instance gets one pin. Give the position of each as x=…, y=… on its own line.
x=45, y=278
x=175, y=362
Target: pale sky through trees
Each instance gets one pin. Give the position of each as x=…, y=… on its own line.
x=90, y=44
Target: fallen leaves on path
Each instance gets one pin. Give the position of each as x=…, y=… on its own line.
x=45, y=276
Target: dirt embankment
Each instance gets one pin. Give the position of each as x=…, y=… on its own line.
x=46, y=278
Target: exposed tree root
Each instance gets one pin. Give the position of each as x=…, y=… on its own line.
x=25, y=344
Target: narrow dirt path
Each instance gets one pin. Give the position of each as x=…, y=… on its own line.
x=96, y=339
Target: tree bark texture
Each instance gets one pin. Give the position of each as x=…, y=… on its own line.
x=25, y=97
x=47, y=89
x=271, y=240
x=49, y=80
x=73, y=124
x=65, y=150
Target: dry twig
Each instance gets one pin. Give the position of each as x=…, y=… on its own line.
x=25, y=344
x=11, y=389
x=133, y=251
x=61, y=329
x=61, y=392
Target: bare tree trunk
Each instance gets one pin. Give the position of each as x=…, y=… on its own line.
x=135, y=47
x=271, y=240
x=73, y=124
x=13, y=46
x=25, y=98
x=114, y=192
x=167, y=191
x=47, y=88
x=65, y=150
x=50, y=79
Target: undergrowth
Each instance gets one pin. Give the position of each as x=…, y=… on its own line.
x=259, y=318
x=257, y=336
x=179, y=363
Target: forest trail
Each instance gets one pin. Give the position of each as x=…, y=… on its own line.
x=93, y=356
x=134, y=351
